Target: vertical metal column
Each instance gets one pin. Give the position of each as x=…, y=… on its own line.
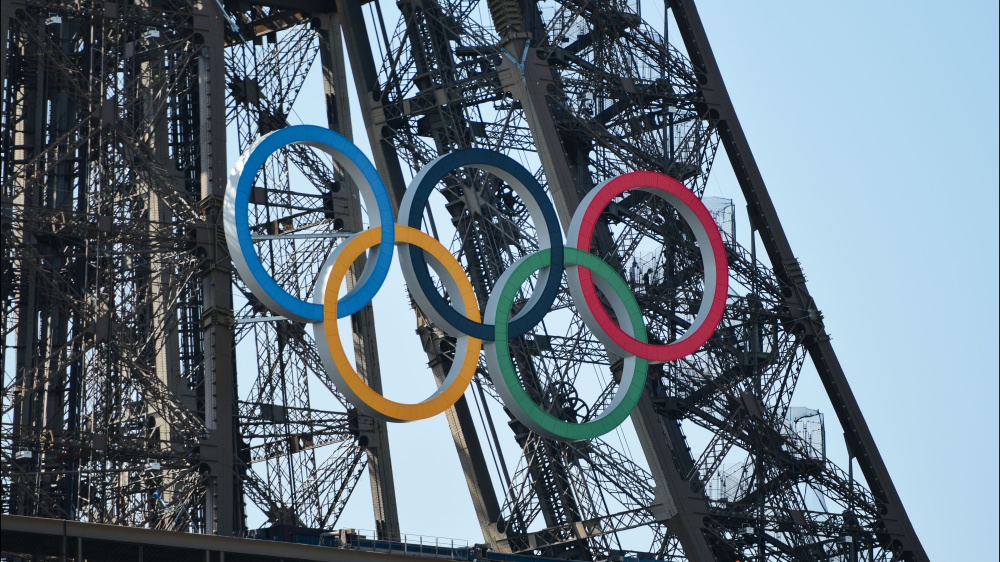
x=224, y=501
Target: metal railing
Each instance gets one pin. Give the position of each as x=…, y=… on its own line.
x=407, y=545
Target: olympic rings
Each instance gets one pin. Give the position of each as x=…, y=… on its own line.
x=586, y=275
x=328, y=338
x=236, y=219
x=540, y=209
x=509, y=386
x=713, y=257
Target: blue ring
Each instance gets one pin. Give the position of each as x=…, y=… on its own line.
x=320, y=137
x=477, y=157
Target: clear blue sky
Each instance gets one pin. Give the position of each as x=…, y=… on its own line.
x=876, y=128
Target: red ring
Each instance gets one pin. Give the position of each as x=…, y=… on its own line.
x=692, y=340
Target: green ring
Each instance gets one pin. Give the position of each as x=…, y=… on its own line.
x=510, y=387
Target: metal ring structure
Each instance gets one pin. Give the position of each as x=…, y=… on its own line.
x=541, y=211
x=498, y=358
x=713, y=256
x=237, y=217
x=335, y=360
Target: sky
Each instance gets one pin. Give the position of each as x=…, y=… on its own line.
x=875, y=126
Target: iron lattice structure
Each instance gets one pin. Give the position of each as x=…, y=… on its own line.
x=122, y=316
x=116, y=291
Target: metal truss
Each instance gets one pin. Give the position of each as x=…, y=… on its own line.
x=120, y=334
x=110, y=328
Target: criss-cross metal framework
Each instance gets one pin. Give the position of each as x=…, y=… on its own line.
x=123, y=321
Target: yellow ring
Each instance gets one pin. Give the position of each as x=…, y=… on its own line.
x=327, y=333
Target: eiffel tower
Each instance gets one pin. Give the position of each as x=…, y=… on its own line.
x=124, y=398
